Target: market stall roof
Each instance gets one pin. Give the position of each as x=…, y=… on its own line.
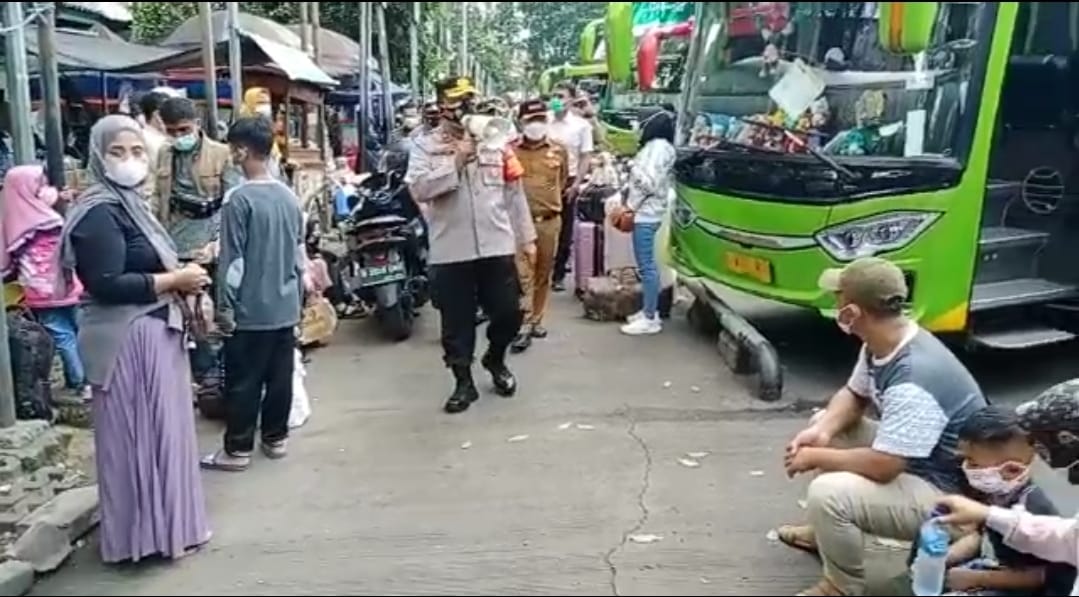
x=276, y=41
x=84, y=51
x=339, y=55
x=113, y=11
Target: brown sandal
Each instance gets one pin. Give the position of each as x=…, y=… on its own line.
x=824, y=588
x=801, y=538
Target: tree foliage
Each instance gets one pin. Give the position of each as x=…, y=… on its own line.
x=555, y=29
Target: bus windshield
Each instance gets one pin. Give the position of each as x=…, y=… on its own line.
x=795, y=78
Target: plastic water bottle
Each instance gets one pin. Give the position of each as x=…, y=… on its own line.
x=930, y=564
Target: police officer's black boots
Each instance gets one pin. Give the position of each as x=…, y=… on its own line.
x=501, y=376
x=465, y=393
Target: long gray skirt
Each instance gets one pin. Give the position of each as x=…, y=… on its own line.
x=152, y=502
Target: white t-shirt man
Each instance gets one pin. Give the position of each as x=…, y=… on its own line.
x=575, y=134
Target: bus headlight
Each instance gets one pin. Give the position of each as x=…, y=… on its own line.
x=874, y=235
x=683, y=215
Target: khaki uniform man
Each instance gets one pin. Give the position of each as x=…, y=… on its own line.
x=546, y=174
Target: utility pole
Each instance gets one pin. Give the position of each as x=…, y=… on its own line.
x=18, y=88
x=365, y=84
x=414, y=49
x=316, y=47
x=18, y=91
x=50, y=85
x=384, y=66
x=236, y=62
x=464, y=39
x=305, y=27
x=305, y=47
x=209, y=66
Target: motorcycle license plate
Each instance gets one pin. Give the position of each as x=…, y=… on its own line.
x=377, y=275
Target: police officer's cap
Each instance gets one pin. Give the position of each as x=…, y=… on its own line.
x=453, y=89
x=533, y=109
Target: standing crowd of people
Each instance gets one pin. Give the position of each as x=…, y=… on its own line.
x=502, y=215
x=178, y=239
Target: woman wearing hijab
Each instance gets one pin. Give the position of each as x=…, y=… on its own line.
x=31, y=233
x=650, y=188
x=133, y=346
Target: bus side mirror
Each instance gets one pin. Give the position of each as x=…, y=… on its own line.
x=620, y=42
x=590, y=41
x=906, y=27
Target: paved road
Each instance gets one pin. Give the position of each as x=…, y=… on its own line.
x=379, y=497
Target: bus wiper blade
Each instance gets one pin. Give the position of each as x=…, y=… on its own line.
x=838, y=168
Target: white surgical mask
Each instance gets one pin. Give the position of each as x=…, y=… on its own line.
x=991, y=481
x=264, y=110
x=128, y=173
x=535, y=131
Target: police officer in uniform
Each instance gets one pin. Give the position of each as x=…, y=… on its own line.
x=546, y=166
x=479, y=220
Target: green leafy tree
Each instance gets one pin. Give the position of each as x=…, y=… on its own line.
x=555, y=29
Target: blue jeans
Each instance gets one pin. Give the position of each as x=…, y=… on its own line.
x=644, y=250
x=60, y=322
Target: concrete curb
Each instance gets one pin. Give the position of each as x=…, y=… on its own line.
x=16, y=578
x=47, y=538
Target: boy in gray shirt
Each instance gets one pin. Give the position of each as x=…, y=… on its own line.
x=260, y=298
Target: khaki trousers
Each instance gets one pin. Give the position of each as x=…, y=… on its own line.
x=845, y=508
x=535, y=276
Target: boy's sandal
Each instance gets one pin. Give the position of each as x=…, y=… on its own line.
x=223, y=461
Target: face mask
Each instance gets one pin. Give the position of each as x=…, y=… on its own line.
x=558, y=106
x=48, y=195
x=845, y=320
x=264, y=110
x=128, y=173
x=991, y=481
x=186, y=143
x=535, y=131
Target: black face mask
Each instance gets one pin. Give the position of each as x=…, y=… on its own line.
x=458, y=113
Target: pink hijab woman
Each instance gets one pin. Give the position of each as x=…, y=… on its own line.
x=32, y=229
x=26, y=209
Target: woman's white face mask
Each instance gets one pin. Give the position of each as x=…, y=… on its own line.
x=128, y=173
x=535, y=131
x=264, y=110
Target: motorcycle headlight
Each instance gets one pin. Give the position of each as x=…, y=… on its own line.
x=874, y=235
x=683, y=215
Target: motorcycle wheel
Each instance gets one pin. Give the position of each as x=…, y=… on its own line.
x=397, y=322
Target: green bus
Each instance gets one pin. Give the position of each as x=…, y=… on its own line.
x=941, y=135
x=645, y=53
x=575, y=73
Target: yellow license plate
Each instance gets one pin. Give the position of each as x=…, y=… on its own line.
x=746, y=265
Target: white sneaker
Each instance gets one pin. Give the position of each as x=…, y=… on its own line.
x=635, y=317
x=642, y=327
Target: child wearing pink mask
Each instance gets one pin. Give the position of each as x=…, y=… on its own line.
x=31, y=229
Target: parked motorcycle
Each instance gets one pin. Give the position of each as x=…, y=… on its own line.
x=386, y=264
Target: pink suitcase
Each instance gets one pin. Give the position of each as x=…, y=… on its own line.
x=587, y=254
x=617, y=245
